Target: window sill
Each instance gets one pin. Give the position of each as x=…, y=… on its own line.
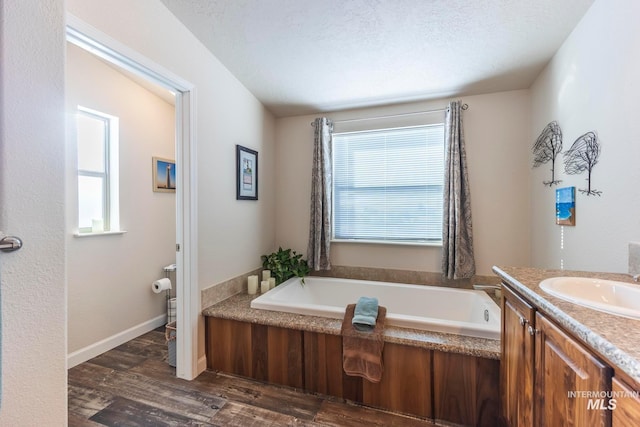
x=388, y=242
x=101, y=233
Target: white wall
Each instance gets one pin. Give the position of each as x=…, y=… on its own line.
x=109, y=276
x=32, y=166
x=496, y=131
x=592, y=85
x=232, y=234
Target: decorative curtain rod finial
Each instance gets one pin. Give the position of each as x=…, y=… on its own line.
x=462, y=106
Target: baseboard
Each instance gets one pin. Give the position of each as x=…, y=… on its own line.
x=93, y=350
x=202, y=364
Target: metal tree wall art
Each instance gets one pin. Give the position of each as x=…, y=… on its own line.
x=583, y=156
x=546, y=149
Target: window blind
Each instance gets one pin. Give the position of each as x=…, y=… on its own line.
x=388, y=184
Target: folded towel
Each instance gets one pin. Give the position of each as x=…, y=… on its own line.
x=362, y=351
x=365, y=313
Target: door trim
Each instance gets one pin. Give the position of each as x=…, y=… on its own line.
x=187, y=289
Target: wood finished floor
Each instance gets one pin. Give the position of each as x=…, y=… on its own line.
x=133, y=385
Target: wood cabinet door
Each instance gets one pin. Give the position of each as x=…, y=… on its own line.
x=564, y=370
x=627, y=405
x=516, y=367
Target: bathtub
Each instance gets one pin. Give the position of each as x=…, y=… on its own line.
x=430, y=308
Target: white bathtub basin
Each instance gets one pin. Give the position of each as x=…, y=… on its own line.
x=430, y=308
x=620, y=298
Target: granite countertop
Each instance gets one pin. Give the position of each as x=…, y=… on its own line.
x=615, y=338
x=238, y=308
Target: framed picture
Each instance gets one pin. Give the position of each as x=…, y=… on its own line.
x=246, y=173
x=164, y=175
x=566, y=206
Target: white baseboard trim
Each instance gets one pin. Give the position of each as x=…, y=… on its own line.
x=202, y=364
x=93, y=350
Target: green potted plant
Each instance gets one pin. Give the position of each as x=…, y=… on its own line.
x=284, y=264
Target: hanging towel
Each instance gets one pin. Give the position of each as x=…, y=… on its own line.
x=365, y=314
x=362, y=351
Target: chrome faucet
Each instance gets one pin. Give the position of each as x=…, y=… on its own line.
x=497, y=289
x=488, y=287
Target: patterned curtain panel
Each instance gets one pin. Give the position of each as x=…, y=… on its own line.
x=321, y=187
x=457, y=235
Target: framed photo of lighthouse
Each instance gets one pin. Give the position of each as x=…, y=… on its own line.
x=164, y=175
x=246, y=173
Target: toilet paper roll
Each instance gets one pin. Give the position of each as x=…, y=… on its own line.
x=160, y=285
x=172, y=303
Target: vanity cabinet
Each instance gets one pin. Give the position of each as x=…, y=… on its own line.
x=563, y=366
x=627, y=402
x=516, y=364
x=541, y=366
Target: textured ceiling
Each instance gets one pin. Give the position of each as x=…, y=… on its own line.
x=308, y=56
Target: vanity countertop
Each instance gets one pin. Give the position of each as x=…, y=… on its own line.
x=238, y=307
x=615, y=338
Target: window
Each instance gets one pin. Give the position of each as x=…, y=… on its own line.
x=97, y=145
x=387, y=184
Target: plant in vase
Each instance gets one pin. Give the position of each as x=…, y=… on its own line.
x=284, y=264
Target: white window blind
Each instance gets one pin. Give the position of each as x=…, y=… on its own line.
x=388, y=184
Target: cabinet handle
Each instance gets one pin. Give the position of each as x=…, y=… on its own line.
x=523, y=321
x=532, y=331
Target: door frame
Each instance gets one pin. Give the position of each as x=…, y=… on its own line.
x=187, y=289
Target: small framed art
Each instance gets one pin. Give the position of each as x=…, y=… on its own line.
x=246, y=173
x=566, y=206
x=164, y=175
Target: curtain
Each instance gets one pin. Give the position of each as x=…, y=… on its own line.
x=457, y=236
x=321, y=187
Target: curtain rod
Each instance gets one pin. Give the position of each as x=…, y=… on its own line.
x=463, y=106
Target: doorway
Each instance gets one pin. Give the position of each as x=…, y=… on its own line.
x=187, y=291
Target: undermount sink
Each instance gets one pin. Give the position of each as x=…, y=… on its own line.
x=622, y=299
